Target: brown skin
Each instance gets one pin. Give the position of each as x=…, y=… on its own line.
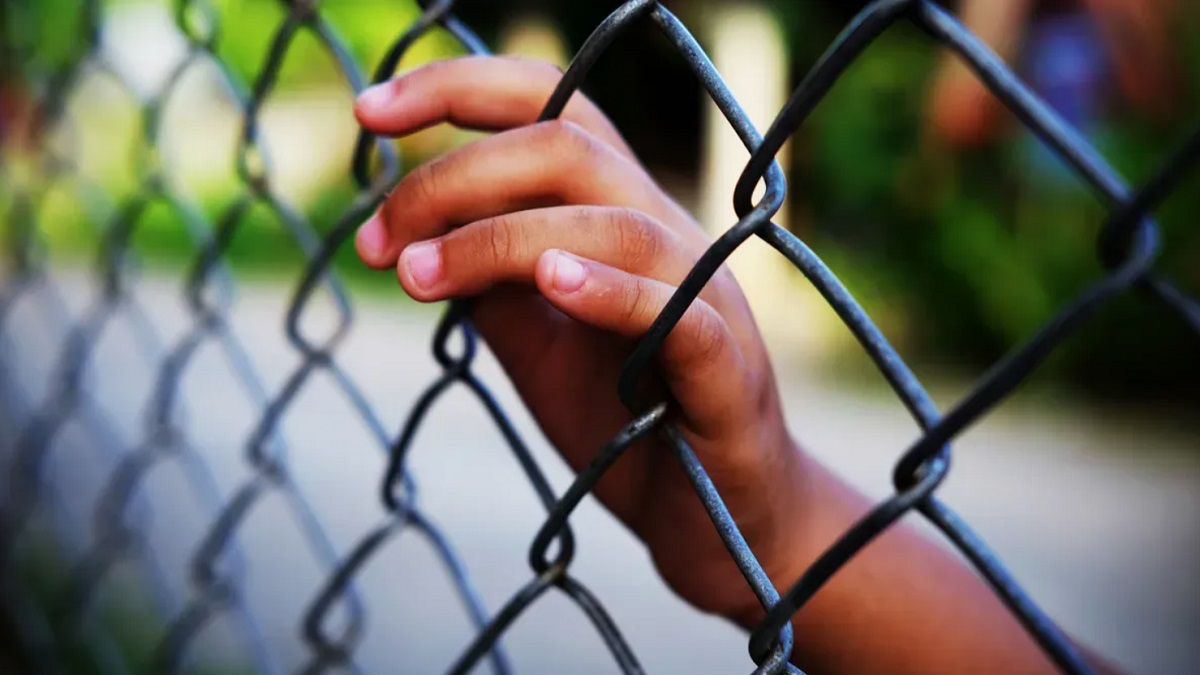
x=571, y=250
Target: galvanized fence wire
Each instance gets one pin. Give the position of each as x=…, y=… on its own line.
x=1127, y=247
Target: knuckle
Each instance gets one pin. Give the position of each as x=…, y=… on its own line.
x=638, y=307
x=571, y=142
x=424, y=180
x=640, y=239
x=499, y=244
x=707, y=332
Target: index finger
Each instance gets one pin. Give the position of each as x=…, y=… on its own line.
x=484, y=93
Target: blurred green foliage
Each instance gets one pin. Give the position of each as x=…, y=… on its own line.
x=976, y=249
x=49, y=36
x=123, y=620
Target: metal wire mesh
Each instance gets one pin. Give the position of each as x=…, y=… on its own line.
x=1127, y=249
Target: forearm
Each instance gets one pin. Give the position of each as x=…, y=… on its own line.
x=902, y=605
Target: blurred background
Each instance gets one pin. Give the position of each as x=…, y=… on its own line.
x=958, y=232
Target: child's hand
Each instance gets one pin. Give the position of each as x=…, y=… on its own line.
x=572, y=251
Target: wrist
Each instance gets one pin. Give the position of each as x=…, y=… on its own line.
x=819, y=507
x=789, y=545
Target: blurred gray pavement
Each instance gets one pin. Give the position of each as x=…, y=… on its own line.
x=1097, y=514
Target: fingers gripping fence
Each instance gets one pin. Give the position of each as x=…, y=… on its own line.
x=1128, y=246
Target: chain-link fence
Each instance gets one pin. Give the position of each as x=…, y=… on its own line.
x=57, y=635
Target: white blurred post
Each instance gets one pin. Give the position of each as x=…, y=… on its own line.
x=748, y=47
x=534, y=36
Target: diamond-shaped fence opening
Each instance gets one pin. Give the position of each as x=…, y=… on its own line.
x=61, y=635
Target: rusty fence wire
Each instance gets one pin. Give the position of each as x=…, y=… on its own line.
x=334, y=622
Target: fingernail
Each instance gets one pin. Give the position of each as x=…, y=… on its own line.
x=376, y=96
x=424, y=263
x=569, y=275
x=372, y=236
